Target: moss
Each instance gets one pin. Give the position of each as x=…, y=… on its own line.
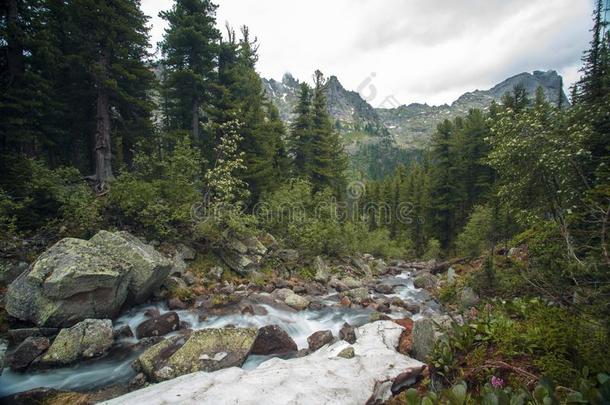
x=307, y=273
x=203, y=262
x=182, y=293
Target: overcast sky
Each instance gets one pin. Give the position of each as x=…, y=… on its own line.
x=413, y=50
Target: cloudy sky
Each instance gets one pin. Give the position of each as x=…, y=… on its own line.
x=412, y=50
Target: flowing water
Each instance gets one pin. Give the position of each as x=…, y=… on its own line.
x=116, y=367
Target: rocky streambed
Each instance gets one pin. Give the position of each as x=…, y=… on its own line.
x=334, y=337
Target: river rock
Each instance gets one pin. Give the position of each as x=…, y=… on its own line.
x=202, y=350
x=338, y=285
x=384, y=288
x=123, y=331
x=405, y=344
x=19, y=335
x=27, y=352
x=3, y=350
x=319, y=378
x=77, y=279
x=147, y=267
x=159, y=325
x=425, y=280
x=348, y=333
x=282, y=293
x=272, y=339
x=176, y=303
x=288, y=255
x=318, y=339
x=87, y=339
x=297, y=302
x=358, y=294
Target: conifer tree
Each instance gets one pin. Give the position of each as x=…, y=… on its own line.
x=300, y=133
x=328, y=162
x=190, y=50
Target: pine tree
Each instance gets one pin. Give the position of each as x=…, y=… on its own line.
x=328, y=162
x=190, y=50
x=591, y=86
x=300, y=133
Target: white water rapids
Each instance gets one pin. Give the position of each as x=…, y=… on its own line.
x=115, y=368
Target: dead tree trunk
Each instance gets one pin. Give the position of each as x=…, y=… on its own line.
x=103, y=154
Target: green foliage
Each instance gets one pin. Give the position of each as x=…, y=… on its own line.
x=159, y=195
x=433, y=250
x=477, y=234
x=555, y=343
x=315, y=224
x=32, y=196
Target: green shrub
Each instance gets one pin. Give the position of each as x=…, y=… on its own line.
x=477, y=234
x=433, y=250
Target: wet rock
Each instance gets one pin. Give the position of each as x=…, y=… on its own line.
x=3, y=350
x=87, y=339
x=425, y=280
x=338, y=285
x=316, y=305
x=318, y=339
x=152, y=312
x=384, y=288
x=383, y=307
x=297, y=302
x=378, y=316
x=138, y=381
x=411, y=307
x=319, y=378
x=77, y=279
x=348, y=333
x=158, y=326
x=27, y=352
x=202, y=350
x=176, y=304
x=282, y=293
x=272, y=339
x=123, y=331
x=347, y=353
x=247, y=310
x=315, y=288
x=46, y=396
x=358, y=294
x=345, y=302
x=19, y=335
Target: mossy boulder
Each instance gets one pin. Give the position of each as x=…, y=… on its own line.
x=87, y=339
x=202, y=350
x=147, y=267
x=77, y=279
x=69, y=282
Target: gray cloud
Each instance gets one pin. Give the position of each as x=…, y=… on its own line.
x=420, y=50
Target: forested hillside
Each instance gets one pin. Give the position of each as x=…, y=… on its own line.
x=488, y=246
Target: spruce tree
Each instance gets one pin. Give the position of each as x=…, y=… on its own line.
x=190, y=50
x=328, y=162
x=300, y=133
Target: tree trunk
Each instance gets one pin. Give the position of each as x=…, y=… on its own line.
x=195, y=123
x=103, y=155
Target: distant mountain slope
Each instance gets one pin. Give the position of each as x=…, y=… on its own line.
x=411, y=126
